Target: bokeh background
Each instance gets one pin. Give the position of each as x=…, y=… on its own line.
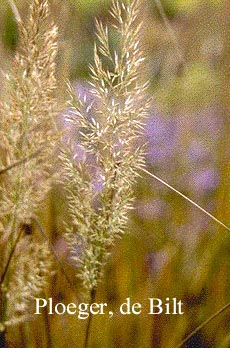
x=171, y=249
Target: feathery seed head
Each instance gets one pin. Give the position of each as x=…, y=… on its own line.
x=27, y=123
x=108, y=132
x=28, y=112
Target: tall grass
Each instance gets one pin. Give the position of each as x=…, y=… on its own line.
x=108, y=131
x=27, y=125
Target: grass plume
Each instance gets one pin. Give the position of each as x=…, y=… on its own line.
x=27, y=127
x=108, y=132
x=27, y=113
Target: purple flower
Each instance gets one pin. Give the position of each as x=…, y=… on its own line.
x=161, y=136
x=204, y=180
x=198, y=152
x=83, y=90
x=150, y=209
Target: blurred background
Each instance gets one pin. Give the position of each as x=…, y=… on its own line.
x=171, y=249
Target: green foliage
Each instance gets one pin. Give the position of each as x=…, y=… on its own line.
x=186, y=6
x=196, y=88
x=90, y=6
x=10, y=33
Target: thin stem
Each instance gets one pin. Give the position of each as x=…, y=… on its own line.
x=3, y=297
x=89, y=322
x=47, y=329
x=10, y=258
x=186, y=198
x=207, y=321
x=42, y=231
x=170, y=30
x=22, y=161
x=23, y=337
x=2, y=294
x=15, y=11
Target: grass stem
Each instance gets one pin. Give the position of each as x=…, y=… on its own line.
x=202, y=325
x=170, y=30
x=10, y=258
x=186, y=198
x=43, y=233
x=15, y=10
x=22, y=161
x=89, y=322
